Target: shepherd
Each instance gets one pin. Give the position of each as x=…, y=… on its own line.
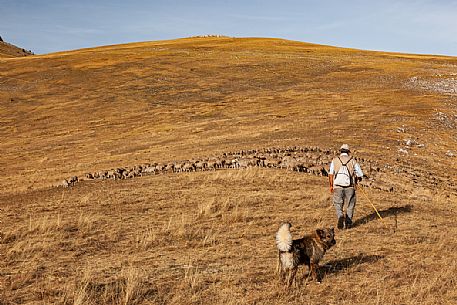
x=344, y=174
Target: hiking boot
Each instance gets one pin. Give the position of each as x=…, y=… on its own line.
x=348, y=222
x=340, y=223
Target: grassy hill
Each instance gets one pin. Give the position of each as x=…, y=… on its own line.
x=208, y=237
x=8, y=50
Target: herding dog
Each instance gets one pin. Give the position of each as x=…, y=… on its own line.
x=308, y=250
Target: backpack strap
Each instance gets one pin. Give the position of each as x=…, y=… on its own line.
x=344, y=164
x=350, y=169
x=336, y=165
x=350, y=165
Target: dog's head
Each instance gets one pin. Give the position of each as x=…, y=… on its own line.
x=327, y=237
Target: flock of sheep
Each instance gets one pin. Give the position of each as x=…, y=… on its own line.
x=311, y=160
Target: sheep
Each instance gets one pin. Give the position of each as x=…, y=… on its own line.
x=188, y=167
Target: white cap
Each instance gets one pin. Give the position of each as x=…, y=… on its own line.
x=345, y=147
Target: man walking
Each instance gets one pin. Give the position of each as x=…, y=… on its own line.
x=344, y=174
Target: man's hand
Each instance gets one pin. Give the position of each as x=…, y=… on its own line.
x=331, y=189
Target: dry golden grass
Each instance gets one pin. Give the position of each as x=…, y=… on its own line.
x=208, y=237
x=8, y=50
x=73, y=112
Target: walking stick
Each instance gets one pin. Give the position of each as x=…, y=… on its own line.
x=376, y=210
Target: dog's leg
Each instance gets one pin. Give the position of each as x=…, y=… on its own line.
x=308, y=272
x=284, y=275
x=313, y=270
x=292, y=273
x=278, y=265
x=280, y=268
x=281, y=274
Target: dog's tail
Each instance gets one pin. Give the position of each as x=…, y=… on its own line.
x=284, y=238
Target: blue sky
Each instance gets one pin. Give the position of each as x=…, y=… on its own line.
x=422, y=26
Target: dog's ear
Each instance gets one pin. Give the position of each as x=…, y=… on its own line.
x=320, y=233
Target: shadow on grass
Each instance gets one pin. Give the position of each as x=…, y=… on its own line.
x=392, y=211
x=336, y=266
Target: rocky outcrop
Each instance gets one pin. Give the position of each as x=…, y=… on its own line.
x=438, y=83
x=8, y=50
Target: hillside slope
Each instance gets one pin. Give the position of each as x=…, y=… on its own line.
x=8, y=50
x=73, y=112
x=207, y=237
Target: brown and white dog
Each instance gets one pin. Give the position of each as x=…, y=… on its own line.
x=307, y=250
